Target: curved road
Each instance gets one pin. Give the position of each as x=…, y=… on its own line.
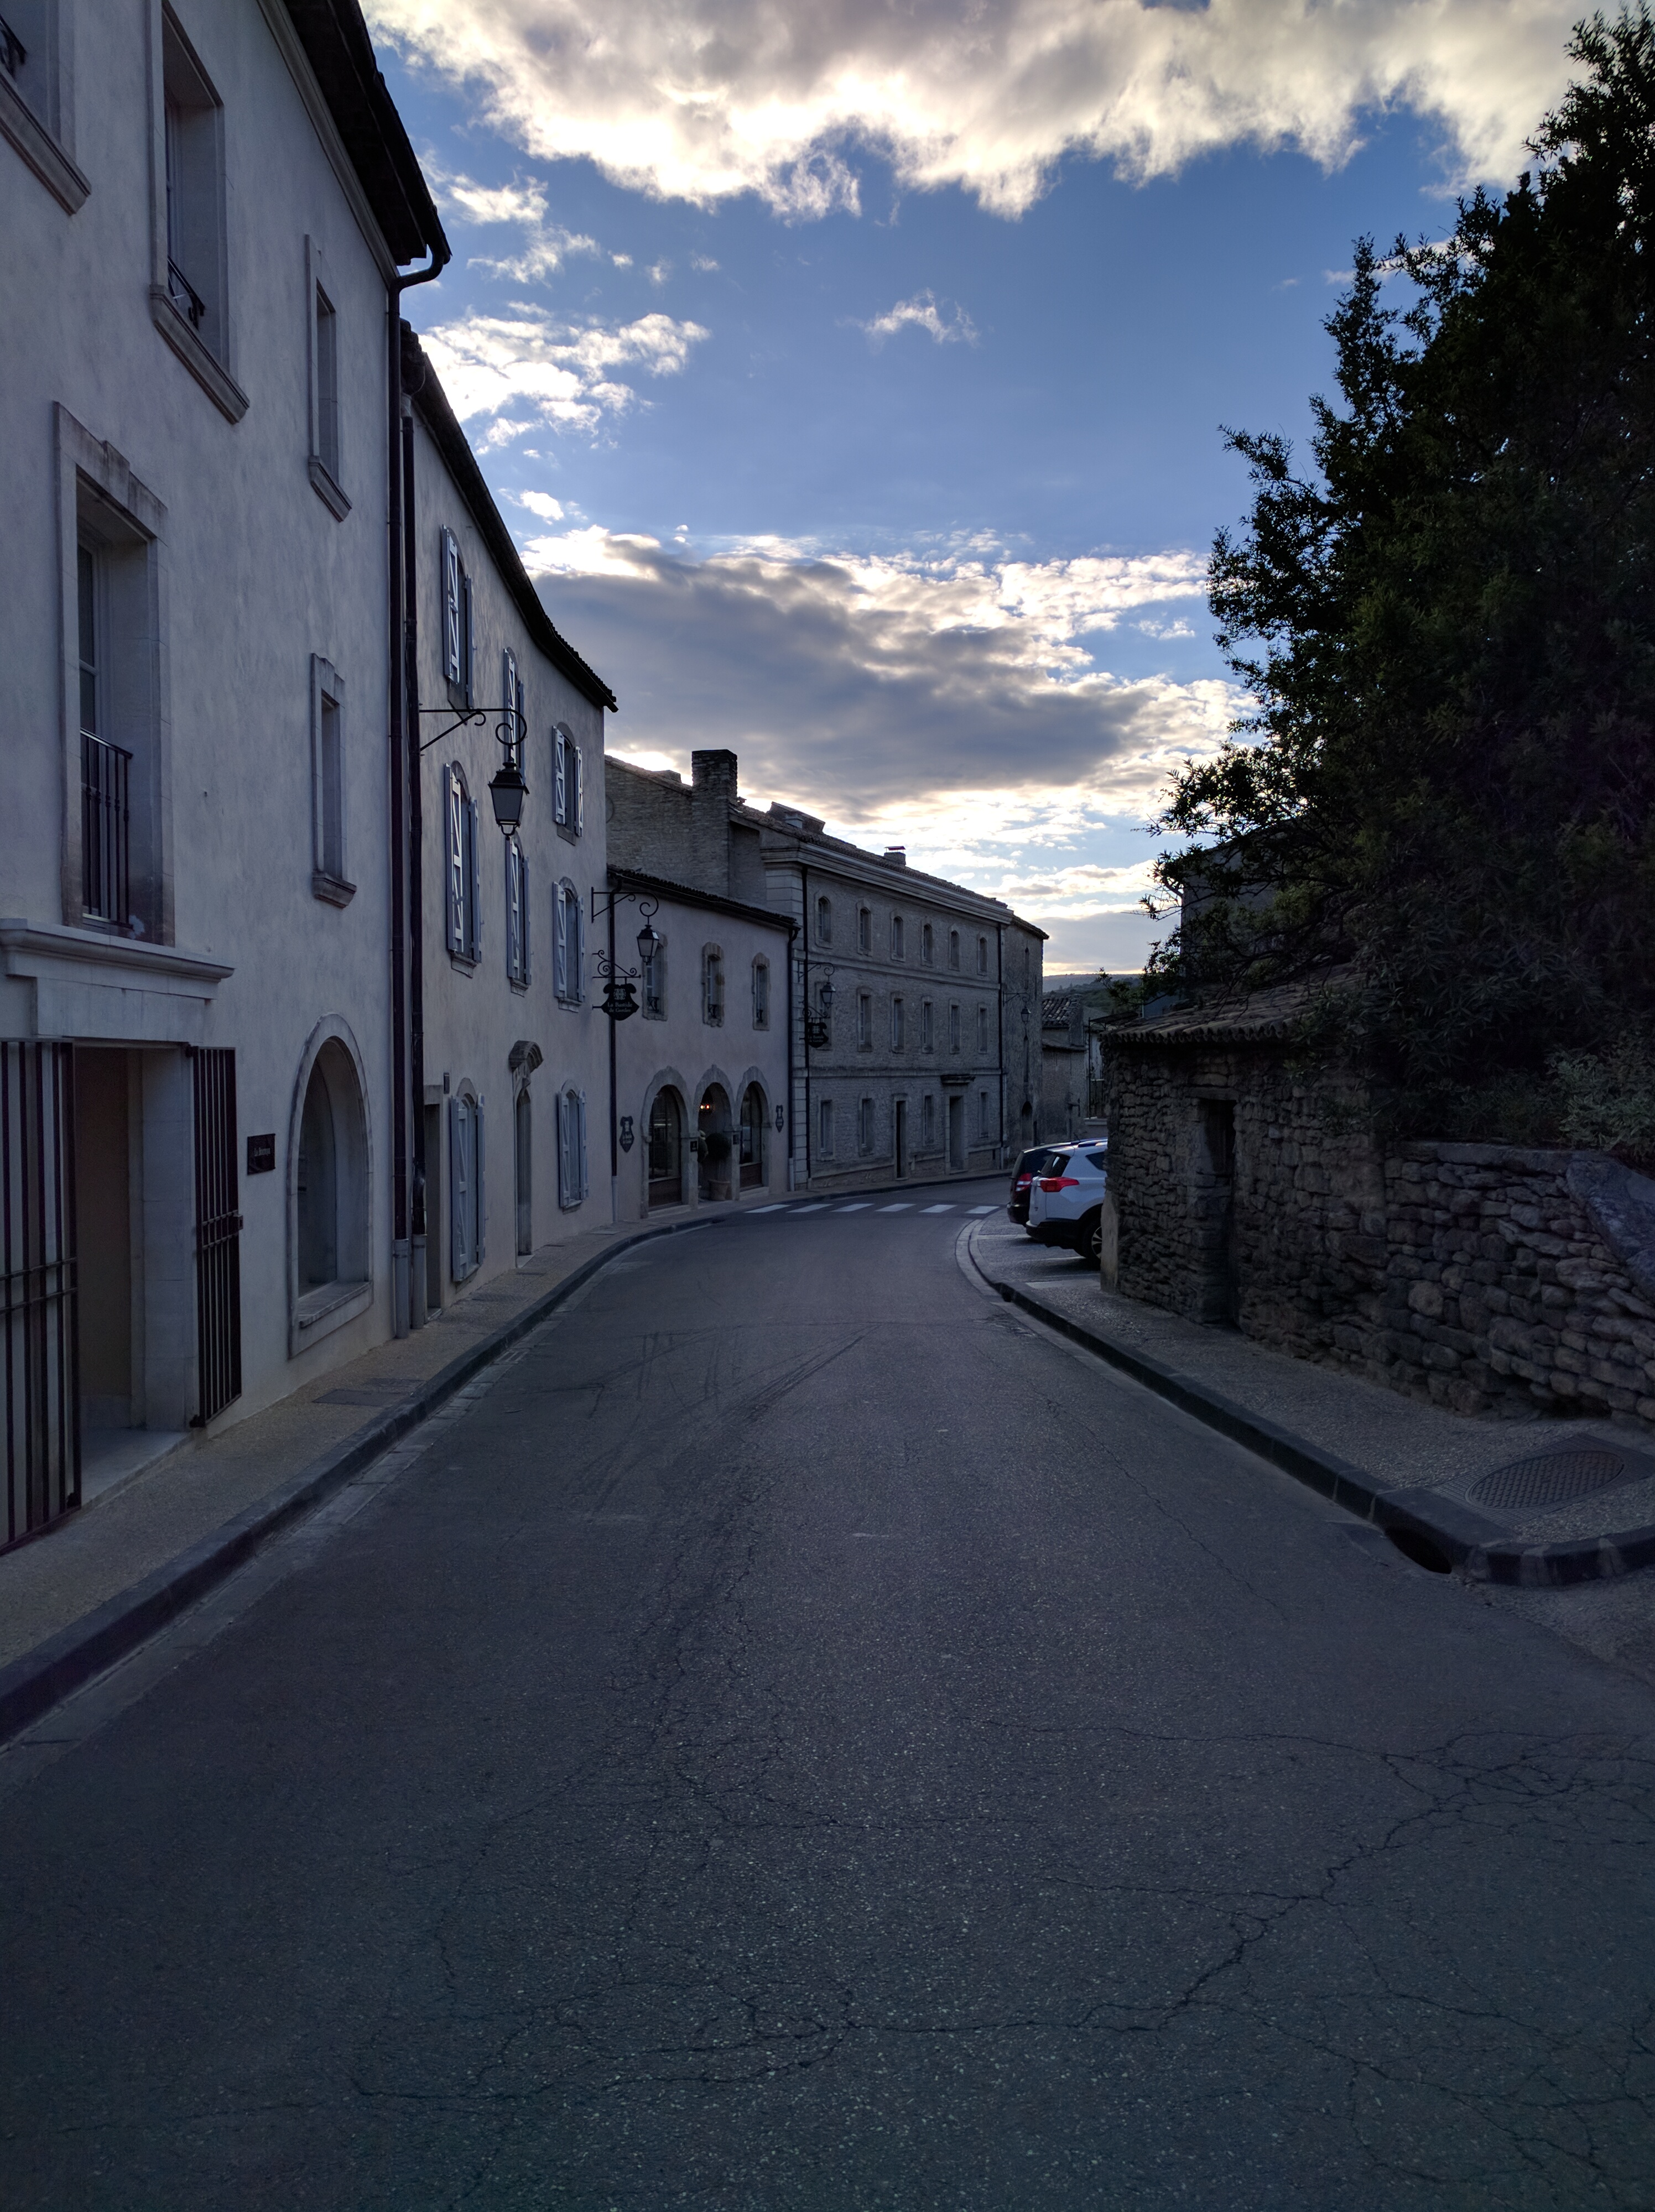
x=801, y=1736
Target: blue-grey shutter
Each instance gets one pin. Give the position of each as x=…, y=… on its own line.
x=560, y=779
x=451, y=612
x=579, y=977
x=580, y=1140
x=562, y=1148
x=560, y=953
x=459, y=1189
x=579, y=787
x=454, y=869
x=468, y=641
x=524, y=908
x=482, y=1208
x=473, y=902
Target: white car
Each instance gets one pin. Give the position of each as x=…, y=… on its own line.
x=1065, y=1202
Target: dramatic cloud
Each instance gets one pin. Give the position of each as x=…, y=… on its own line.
x=922, y=312
x=702, y=98
x=545, y=246
x=952, y=704
x=526, y=369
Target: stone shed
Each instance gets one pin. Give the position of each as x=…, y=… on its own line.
x=1251, y=1192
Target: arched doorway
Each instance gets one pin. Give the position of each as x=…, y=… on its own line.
x=753, y=1119
x=717, y=1145
x=667, y=1149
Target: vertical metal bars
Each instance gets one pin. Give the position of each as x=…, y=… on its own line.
x=106, y=829
x=217, y=1233
x=37, y=1287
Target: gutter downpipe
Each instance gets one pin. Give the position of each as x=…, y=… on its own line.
x=400, y=553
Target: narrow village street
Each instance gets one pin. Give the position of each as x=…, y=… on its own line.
x=799, y=1735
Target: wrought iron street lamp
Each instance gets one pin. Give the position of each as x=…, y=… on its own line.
x=506, y=789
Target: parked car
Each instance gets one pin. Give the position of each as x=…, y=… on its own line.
x=1066, y=1201
x=1030, y=1164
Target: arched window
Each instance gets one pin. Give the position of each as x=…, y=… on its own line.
x=927, y=1120
x=666, y=1148
x=897, y=952
x=523, y=1168
x=569, y=949
x=982, y=1030
x=761, y=995
x=824, y=920
x=953, y=1028
x=953, y=950
x=824, y=1129
x=898, y=1025
x=654, y=980
x=712, y=985
x=928, y=1038
x=517, y=914
x=983, y=955
x=571, y=1147
x=864, y=930
x=864, y=1125
x=330, y=1277
x=928, y=945
x=865, y=1021
x=318, y=1188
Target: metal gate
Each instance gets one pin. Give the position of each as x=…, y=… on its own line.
x=217, y=1234
x=36, y=1269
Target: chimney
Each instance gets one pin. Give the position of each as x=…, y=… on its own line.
x=712, y=794
x=897, y=855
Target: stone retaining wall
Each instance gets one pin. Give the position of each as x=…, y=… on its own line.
x=1479, y=1276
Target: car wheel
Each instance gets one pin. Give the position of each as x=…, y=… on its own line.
x=1091, y=1237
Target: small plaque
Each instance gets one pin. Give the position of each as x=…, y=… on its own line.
x=781, y=1117
x=626, y=1132
x=261, y=1154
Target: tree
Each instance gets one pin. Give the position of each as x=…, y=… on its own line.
x=1443, y=799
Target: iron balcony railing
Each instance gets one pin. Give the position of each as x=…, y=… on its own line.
x=184, y=296
x=106, y=830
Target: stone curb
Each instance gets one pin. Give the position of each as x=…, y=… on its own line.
x=1435, y=1532
x=38, y=1679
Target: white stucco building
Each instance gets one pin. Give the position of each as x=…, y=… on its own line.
x=201, y=1031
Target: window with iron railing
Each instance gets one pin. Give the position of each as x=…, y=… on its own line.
x=105, y=769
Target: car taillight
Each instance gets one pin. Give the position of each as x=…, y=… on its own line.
x=1060, y=1182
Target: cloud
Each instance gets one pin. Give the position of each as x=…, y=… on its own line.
x=950, y=701
x=704, y=98
x=923, y=313
x=703, y=261
x=546, y=246
x=541, y=503
x=516, y=371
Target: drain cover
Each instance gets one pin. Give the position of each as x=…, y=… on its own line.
x=1552, y=1478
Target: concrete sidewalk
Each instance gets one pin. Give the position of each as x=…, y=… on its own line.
x=87, y=1591
x=1436, y=1481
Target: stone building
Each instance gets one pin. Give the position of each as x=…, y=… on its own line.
x=202, y=1065
x=923, y=1057
x=1063, y=1064
x=510, y=1146
x=1248, y=1190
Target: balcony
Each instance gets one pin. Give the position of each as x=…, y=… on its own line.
x=106, y=831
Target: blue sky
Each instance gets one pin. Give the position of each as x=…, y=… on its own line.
x=853, y=379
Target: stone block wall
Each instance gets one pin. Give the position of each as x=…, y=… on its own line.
x=1482, y=1277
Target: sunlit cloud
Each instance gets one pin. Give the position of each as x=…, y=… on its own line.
x=923, y=313
x=704, y=98
x=515, y=372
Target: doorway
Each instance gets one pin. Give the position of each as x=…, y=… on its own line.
x=752, y=1139
x=104, y=1195
x=667, y=1149
x=717, y=1149
x=523, y=1171
x=902, y=1138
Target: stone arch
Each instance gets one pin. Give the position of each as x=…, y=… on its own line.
x=664, y=1079
x=713, y=1111
x=330, y=1186
x=755, y=1149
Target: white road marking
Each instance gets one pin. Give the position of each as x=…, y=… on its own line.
x=861, y=1207
x=779, y=1207
x=821, y=1206
x=984, y=1209
x=936, y=1209
x=905, y=1207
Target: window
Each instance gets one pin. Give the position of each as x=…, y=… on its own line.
x=927, y=1034
x=953, y=950
x=928, y=945
x=666, y=1151
x=459, y=639
x=865, y=1126
x=1028, y=969
x=571, y=1147
x=326, y=467
x=896, y=936
x=467, y=1243
x=523, y=1169
x=712, y=986
x=568, y=782
x=761, y=995
x=982, y=1112
x=896, y=1025
x=511, y=694
x=329, y=1275
x=927, y=1120
x=463, y=915
x=865, y=1021
x=824, y=920
x=517, y=914
x=328, y=880
x=953, y=1028
x=568, y=955
x=655, y=981
x=983, y=1029
x=189, y=296
x=864, y=930
x=105, y=769
x=983, y=957
x=39, y=123
x=824, y=1128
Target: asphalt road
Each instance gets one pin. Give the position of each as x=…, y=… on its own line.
x=803, y=1737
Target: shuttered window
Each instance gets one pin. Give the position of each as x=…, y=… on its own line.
x=452, y=613
x=517, y=914
x=465, y=1206
x=462, y=920
x=568, y=957
x=571, y=1147
x=560, y=806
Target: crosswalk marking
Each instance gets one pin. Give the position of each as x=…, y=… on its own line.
x=821, y=1206
x=936, y=1209
x=861, y=1207
x=780, y=1207
x=982, y=1209
x=905, y=1207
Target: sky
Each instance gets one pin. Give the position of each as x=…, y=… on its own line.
x=854, y=373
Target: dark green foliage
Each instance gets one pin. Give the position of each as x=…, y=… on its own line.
x=1446, y=791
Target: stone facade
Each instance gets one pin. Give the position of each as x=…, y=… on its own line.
x=1484, y=1277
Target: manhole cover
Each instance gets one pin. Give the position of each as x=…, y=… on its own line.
x=1552, y=1478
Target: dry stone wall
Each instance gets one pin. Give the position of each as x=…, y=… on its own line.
x=1485, y=1278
